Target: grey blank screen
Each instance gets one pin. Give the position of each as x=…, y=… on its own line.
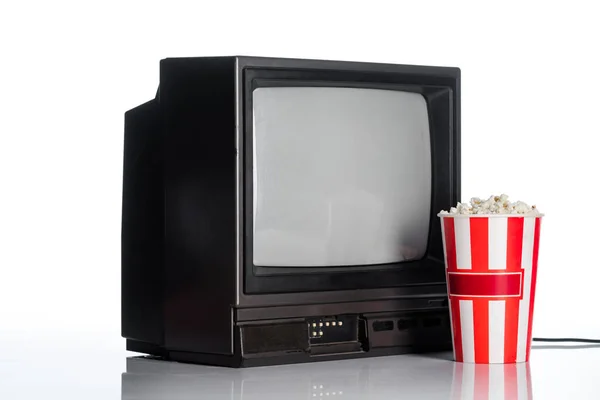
x=342, y=176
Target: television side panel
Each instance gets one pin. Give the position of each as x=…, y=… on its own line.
x=198, y=101
x=142, y=240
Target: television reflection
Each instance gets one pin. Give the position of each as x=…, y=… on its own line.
x=410, y=376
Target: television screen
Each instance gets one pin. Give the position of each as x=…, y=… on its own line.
x=342, y=176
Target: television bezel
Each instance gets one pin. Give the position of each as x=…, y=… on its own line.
x=439, y=86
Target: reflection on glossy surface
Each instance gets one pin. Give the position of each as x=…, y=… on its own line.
x=388, y=377
x=492, y=382
x=385, y=377
x=69, y=366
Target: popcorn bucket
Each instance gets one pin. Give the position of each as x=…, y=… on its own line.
x=491, y=268
x=492, y=381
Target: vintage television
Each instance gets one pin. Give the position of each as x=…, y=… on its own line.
x=283, y=210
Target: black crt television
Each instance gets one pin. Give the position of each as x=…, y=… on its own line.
x=284, y=210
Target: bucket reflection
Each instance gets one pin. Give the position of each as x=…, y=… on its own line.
x=492, y=381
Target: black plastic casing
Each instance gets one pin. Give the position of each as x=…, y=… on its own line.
x=190, y=291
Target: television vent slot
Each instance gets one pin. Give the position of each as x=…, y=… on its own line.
x=380, y=326
x=404, y=324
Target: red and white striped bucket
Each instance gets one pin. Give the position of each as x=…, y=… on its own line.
x=492, y=382
x=491, y=268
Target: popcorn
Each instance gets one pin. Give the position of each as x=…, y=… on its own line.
x=493, y=205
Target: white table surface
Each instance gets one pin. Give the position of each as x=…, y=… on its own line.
x=85, y=366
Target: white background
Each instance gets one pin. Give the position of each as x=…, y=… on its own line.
x=69, y=70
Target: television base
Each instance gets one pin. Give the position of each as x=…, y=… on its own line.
x=238, y=362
